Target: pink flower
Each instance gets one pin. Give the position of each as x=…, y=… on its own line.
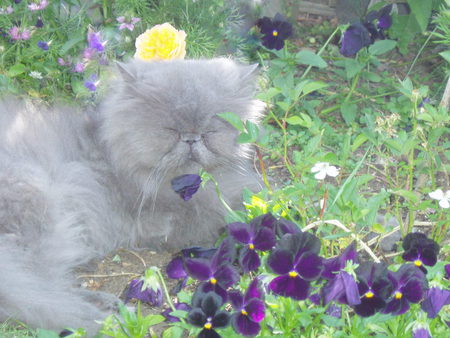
x=17, y=34
x=127, y=24
x=38, y=6
x=79, y=68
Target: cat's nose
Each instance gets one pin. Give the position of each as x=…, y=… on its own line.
x=190, y=138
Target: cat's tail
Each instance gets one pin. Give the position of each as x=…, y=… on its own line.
x=30, y=294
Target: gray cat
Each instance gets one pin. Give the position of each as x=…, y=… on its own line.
x=75, y=186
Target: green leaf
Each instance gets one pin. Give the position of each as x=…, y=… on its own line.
x=408, y=195
x=70, y=44
x=268, y=94
x=252, y=130
x=244, y=138
x=352, y=67
x=445, y=55
x=382, y=46
x=313, y=86
x=359, y=140
x=309, y=58
x=41, y=333
x=304, y=120
x=421, y=10
x=173, y=332
x=233, y=119
x=16, y=70
x=348, y=111
x=151, y=320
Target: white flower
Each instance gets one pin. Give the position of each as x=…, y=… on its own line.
x=36, y=75
x=323, y=169
x=443, y=198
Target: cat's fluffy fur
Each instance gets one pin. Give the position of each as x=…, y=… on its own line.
x=74, y=186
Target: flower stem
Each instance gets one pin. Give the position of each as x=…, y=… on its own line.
x=166, y=292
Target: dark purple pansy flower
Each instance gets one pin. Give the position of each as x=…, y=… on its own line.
x=447, y=271
x=297, y=262
x=435, y=299
x=341, y=285
x=92, y=83
x=17, y=1
x=39, y=23
x=283, y=227
x=206, y=314
x=186, y=185
x=374, y=288
x=65, y=332
x=421, y=332
x=95, y=42
x=178, y=306
x=217, y=273
x=137, y=290
x=355, y=38
x=250, y=309
x=420, y=250
x=274, y=31
x=42, y=45
x=409, y=284
x=254, y=237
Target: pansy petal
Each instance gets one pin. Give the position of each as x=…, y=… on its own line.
x=280, y=261
x=309, y=266
x=221, y=319
x=208, y=333
x=284, y=227
x=355, y=37
x=198, y=252
x=264, y=239
x=244, y=326
x=175, y=268
x=429, y=257
x=436, y=298
x=254, y=290
x=396, y=307
x=240, y=232
x=211, y=302
x=198, y=268
x=206, y=287
x=196, y=317
x=249, y=260
x=224, y=254
x=414, y=290
x=256, y=309
x=369, y=306
x=351, y=289
x=236, y=299
x=186, y=185
x=226, y=276
x=287, y=286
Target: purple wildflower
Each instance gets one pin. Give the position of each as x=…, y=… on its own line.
x=78, y=68
x=94, y=41
x=374, y=288
x=186, y=185
x=92, y=83
x=89, y=53
x=297, y=262
x=17, y=34
x=216, y=273
x=255, y=237
x=127, y=24
x=38, y=6
x=42, y=45
x=146, y=289
x=420, y=332
x=274, y=31
x=8, y=10
x=39, y=23
x=420, y=250
x=250, y=309
x=206, y=313
x=435, y=299
x=409, y=284
x=447, y=271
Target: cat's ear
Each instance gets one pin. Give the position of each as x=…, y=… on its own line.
x=126, y=71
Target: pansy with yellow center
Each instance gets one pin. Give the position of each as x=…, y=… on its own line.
x=274, y=31
x=161, y=42
x=420, y=250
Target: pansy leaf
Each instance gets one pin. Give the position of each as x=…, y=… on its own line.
x=382, y=46
x=309, y=58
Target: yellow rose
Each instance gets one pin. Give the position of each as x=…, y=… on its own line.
x=161, y=42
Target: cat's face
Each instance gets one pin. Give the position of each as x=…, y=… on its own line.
x=163, y=116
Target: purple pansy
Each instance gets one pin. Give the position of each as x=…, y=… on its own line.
x=92, y=83
x=39, y=23
x=42, y=45
x=283, y=227
x=297, y=262
x=216, y=273
x=447, y=271
x=79, y=68
x=254, y=237
x=186, y=185
x=341, y=285
x=420, y=250
x=409, y=284
x=435, y=299
x=206, y=313
x=124, y=24
x=178, y=306
x=250, y=309
x=137, y=290
x=420, y=332
x=274, y=31
x=374, y=288
x=95, y=42
x=364, y=33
